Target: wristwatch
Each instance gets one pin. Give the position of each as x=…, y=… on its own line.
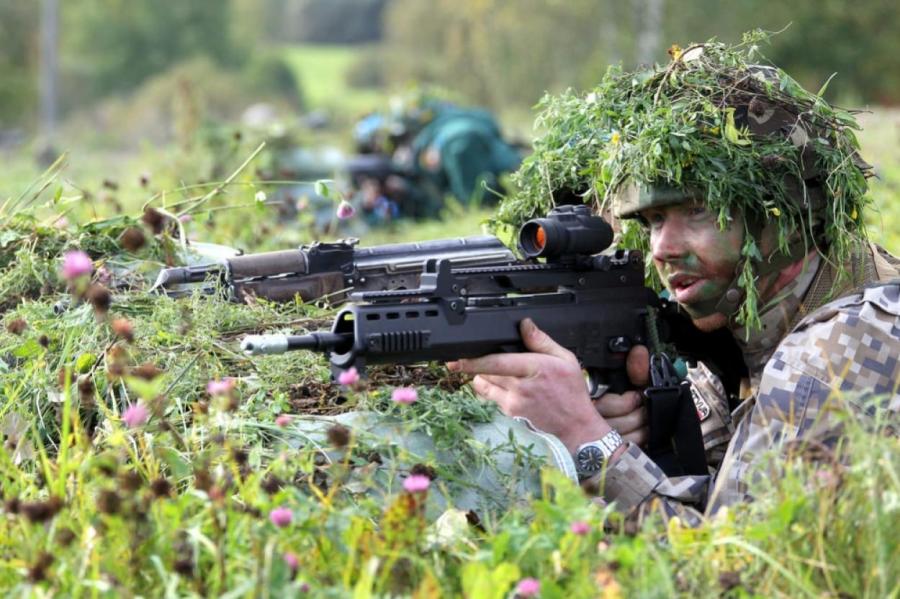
x=591, y=457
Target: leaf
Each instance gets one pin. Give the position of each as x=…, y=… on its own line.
x=85, y=362
x=732, y=133
x=322, y=189
x=147, y=390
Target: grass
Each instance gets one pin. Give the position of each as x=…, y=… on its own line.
x=322, y=71
x=181, y=505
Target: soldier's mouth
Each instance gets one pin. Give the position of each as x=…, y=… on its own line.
x=685, y=287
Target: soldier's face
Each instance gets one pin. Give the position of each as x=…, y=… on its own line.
x=695, y=259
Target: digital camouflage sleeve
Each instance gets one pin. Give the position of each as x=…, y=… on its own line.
x=838, y=355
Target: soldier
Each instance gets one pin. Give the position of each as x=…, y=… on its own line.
x=814, y=307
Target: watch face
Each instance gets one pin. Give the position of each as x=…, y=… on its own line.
x=590, y=459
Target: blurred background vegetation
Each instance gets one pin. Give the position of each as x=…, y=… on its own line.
x=136, y=86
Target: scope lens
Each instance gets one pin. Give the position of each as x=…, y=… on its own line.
x=540, y=238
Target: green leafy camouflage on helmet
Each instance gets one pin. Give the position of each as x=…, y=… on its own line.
x=715, y=126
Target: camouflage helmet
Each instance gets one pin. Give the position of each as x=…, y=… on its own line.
x=757, y=115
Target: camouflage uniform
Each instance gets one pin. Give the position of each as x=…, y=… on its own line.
x=808, y=349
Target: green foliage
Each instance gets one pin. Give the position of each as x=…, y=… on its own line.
x=180, y=506
x=125, y=42
x=674, y=125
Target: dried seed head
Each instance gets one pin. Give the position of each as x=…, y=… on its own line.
x=37, y=572
x=99, y=297
x=44, y=341
x=132, y=239
x=130, y=481
x=109, y=502
x=239, y=455
x=271, y=484
x=41, y=511
x=184, y=566
x=123, y=328
x=202, y=479
x=146, y=371
x=16, y=326
x=161, y=487
x=154, y=219
x=144, y=179
x=86, y=388
x=65, y=536
x=339, y=436
x=11, y=505
x=110, y=184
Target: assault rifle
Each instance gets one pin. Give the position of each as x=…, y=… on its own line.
x=591, y=303
x=329, y=270
x=596, y=305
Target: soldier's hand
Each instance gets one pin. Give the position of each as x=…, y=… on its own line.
x=626, y=412
x=545, y=385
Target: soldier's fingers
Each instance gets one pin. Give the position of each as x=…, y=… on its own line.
x=519, y=365
x=504, y=382
x=489, y=391
x=630, y=422
x=638, y=437
x=540, y=342
x=637, y=365
x=612, y=405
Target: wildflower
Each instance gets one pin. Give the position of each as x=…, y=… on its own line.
x=292, y=561
x=404, y=395
x=580, y=528
x=123, y=328
x=348, y=378
x=615, y=138
x=61, y=223
x=135, y=415
x=283, y=420
x=775, y=211
x=260, y=197
x=281, y=516
x=345, y=210
x=185, y=218
x=221, y=387
x=416, y=483
x=528, y=587
x=104, y=277
x=132, y=239
x=75, y=264
x=854, y=215
x=675, y=51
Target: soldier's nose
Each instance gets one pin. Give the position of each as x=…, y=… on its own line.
x=668, y=242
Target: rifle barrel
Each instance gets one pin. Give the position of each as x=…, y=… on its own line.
x=258, y=345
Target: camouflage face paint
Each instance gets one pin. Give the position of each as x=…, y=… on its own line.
x=696, y=260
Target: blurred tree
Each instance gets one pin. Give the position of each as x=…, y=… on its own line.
x=114, y=45
x=18, y=63
x=500, y=53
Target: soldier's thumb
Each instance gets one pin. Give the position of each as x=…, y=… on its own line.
x=540, y=342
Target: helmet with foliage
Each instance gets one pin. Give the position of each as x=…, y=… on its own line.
x=713, y=126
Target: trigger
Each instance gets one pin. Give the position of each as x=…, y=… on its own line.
x=595, y=388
